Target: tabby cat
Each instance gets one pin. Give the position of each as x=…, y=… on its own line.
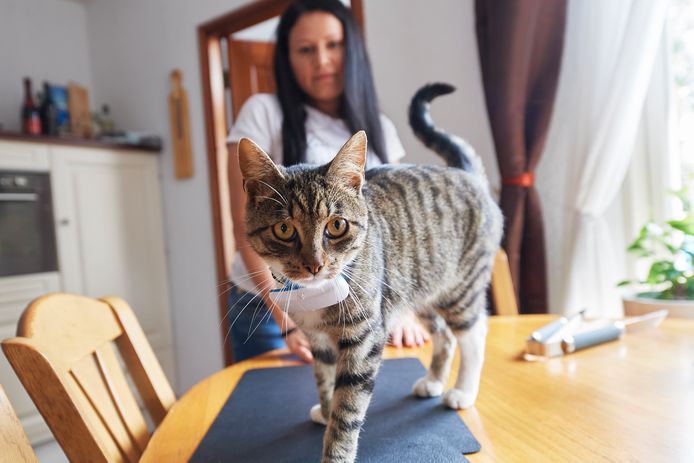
x=404, y=237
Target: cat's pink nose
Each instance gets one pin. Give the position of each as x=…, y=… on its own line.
x=314, y=268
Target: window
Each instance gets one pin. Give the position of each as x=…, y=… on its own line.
x=681, y=29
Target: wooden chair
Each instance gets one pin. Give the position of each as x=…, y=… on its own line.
x=503, y=294
x=14, y=444
x=63, y=355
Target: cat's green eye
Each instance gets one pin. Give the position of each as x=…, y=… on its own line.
x=284, y=231
x=336, y=228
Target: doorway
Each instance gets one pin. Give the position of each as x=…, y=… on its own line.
x=235, y=62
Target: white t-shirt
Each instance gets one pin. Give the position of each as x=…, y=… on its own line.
x=260, y=119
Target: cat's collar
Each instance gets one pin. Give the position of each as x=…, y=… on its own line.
x=296, y=298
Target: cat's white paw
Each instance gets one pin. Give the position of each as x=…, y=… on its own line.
x=425, y=387
x=457, y=399
x=317, y=415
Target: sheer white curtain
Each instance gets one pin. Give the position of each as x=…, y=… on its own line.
x=608, y=60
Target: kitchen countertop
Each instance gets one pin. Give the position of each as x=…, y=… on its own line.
x=73, y=141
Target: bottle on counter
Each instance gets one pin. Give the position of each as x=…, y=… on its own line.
x=106, y=121
x=48, y=112
x=31, y=118
x=102, y=123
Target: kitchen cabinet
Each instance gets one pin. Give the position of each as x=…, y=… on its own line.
x=110, y=241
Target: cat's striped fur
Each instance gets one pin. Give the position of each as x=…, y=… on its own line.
x=415, y=237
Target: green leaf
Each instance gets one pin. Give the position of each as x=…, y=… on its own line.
x=638, y=250
x=660, y=272
x=664, y=245
x=685, y=225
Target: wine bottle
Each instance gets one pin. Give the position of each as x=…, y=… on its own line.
x=48, y=112
x=31, y=119
x=106, y=121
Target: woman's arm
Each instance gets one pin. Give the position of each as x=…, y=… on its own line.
x=257, y=268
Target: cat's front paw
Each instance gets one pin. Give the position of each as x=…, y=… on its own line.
x=457, y=399
x=317, y=415
x=425, y=387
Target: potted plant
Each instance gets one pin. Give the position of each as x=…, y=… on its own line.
x=669, y=247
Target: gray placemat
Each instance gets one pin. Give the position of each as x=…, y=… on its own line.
x=266, y=420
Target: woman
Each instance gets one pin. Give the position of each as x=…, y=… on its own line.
x=325, y=93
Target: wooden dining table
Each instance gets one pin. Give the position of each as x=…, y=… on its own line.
x=630, y=400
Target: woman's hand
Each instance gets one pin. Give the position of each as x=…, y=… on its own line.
x=406, y=331
x=298, y=344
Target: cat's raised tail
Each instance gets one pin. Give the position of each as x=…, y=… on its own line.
x=454, y=150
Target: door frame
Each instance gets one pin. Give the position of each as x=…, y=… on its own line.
x=210, y=34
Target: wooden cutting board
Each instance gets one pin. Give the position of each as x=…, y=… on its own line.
x=78, y=106
x=180, y=127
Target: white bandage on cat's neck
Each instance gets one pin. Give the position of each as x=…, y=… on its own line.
x=295, y=298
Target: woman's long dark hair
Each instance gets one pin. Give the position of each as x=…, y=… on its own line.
x=359, y=106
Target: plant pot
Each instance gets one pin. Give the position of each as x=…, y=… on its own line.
x=634, y=305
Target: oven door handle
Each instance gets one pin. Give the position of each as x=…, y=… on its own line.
x=13, y=197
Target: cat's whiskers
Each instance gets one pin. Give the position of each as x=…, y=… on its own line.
x=231, y=285
x=248, y=276
x=356, y=279
x=255, y=295
x=285, y=324
x=382, y=281
x=238, y=315
x=273, y=189
x=225, y=290
x=271, y=199
x=340, y=307
x=339, y=303
x=268, y=314
x=286, y=308
x=358, y=304
x=398, y=275
x=350, y=274
x=228, y=284
x=229, y=310
x=346, y=311
x=255, y=312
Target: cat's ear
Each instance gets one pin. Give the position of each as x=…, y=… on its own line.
x=348, y=165
x=258, y=170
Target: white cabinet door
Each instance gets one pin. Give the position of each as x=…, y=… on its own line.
x=110, y=235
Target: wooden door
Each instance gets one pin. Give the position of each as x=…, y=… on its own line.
x=250, y=71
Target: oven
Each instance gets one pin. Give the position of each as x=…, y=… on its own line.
x=27, y=231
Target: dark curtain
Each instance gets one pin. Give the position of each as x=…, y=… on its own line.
x=520, y=45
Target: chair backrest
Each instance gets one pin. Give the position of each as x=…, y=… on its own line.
x=14, y=444
x=63, y=355
x=502, y=286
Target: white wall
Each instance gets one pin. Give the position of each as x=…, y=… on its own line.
x=44, y=40
x=412, y=43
